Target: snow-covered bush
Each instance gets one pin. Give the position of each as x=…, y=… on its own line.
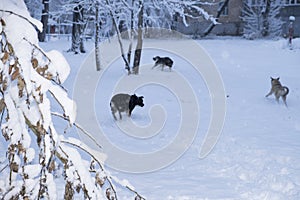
x=30, y=84
x=261, y=18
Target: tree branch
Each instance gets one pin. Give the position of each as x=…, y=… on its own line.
x=220, y=10
x=79, y=127
x=13, y=13
x=99, y=163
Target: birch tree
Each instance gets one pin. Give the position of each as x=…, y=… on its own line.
x=77, y=29
x=138, y=14
x=139, y=45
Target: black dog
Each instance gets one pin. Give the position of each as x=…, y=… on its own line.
x=163, y=61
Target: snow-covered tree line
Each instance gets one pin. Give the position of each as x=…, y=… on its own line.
x=30, y=86
x=261, y=18
x=126, y=19
x=135, y=16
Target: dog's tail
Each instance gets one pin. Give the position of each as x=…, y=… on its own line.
x=286, y=90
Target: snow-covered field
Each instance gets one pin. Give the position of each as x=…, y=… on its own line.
x=258, y=153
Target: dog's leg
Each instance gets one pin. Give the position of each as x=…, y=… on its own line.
x=120, y=115
x=129, y=113
x=113, y=113
x=155, y=65
x=113, y=110
x=162, y=67
x=277, y=98
x=284, y=100
x=271, y=92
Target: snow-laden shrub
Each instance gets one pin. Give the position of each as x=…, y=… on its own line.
x=30, y=84
x=261, y=19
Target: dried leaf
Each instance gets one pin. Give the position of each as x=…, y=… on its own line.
x=4, y=84
x=5, y=135
x=15, y=74
x=2, y=105
x=35, y=63
x=92, y=166
x=38, y=88
x=69, y=192
x=21, y=86
x=109, y=194
x=2, y=22
x=100, y=181
x=16, y=62
x=41, y=70
x=10, y=48
x=52, y=166
x=5, y=57
x=41, y=97
x=21, y=148
x=78, y=188
x=10, y=69
x=49, y=76
x=14, y=167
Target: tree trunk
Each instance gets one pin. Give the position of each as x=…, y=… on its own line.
x=265, y=15
x=220, y=10
x=139, y=45
x=44, y=20
x=97, y=36
x=131, y=33
x=77, y=30
x=127, y=65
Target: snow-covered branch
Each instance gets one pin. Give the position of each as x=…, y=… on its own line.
x=32, y=21
x=35, y=146
x=262, y=19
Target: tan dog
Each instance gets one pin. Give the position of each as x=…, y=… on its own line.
x=278, y=90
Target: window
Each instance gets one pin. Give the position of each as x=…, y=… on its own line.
x=225, y=11
x=292, y=2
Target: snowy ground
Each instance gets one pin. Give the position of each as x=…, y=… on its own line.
x=258, y=153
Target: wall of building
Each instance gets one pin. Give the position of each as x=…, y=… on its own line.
x=230, y=23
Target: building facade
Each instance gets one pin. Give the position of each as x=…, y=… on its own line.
x=231, y=22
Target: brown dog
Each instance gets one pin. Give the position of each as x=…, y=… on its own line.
x=278, y=90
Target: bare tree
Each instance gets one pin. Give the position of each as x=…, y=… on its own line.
x=261, y=18
x=139, y=45
x=132, y=14
x=97, y=36
x=265, y=18
x=77, y=29
x=44, y=20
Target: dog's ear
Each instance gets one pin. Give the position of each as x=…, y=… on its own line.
x=271, y=78
x=278, y=78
